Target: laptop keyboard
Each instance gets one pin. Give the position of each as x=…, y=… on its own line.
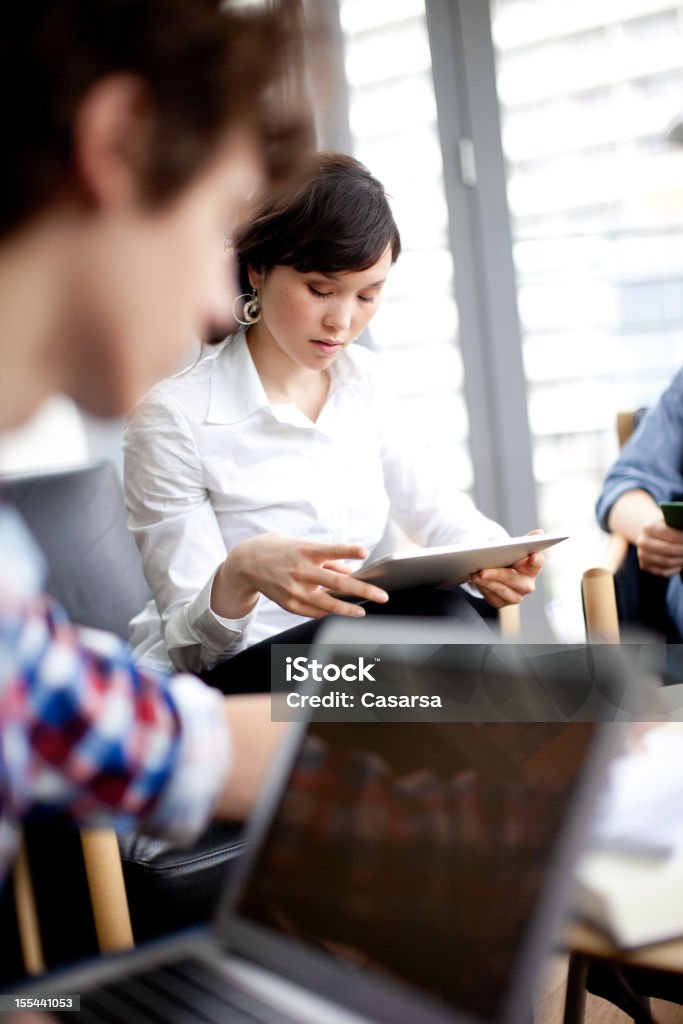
x=183, y=992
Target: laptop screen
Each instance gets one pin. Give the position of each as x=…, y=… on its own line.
x=419, y=851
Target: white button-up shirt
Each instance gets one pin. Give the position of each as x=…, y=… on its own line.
x=210, y=462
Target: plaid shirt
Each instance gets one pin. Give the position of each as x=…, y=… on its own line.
x=83, y=729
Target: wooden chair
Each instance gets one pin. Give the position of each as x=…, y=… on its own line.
x=109, y=904
x=600, y=606
x=599, y=595
x=27, y=915
x=509, y=622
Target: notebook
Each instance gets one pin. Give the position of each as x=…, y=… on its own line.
x=629, y=878
x=397, y=871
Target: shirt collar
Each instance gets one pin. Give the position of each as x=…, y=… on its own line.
x=236, y=388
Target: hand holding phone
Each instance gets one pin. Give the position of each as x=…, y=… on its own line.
x=673, y=513
x=673, y=516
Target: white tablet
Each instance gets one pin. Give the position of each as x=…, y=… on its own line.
x=434, y=567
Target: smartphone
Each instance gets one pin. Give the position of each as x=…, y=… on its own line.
x=673, y=513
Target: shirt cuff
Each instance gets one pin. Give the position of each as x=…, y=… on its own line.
x=202, y=763
x=216, y=633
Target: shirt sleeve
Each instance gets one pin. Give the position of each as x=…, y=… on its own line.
x=175, y=526
x=86, y=730
x=652, y=459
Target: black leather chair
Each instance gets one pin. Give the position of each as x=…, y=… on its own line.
x=94, y=570
x=78, y=518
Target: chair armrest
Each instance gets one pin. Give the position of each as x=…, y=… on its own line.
x=27, y=915
x=509, y=622
x=615, y=553
x=600, y=606
x=599, y=593
x=107, y=889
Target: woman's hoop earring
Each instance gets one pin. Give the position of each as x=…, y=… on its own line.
x=251, y=311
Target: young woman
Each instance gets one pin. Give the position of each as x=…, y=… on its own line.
x=254, y=476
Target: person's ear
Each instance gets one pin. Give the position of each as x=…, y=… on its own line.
x=255, y=277
x=112, y=133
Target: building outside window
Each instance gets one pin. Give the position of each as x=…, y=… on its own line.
x=587, y=91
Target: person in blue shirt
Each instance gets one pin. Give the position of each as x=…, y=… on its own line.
x=648, y=471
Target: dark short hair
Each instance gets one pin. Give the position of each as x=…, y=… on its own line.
x=205, y=69
x=335, y=217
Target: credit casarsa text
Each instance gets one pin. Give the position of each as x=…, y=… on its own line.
x=340, y=699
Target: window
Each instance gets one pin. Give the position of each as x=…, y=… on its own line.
x=393, y=124
x=587, y=91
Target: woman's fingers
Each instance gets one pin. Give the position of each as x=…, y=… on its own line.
x=340, y=584
x=321, y=568
x=505, y=586
x=303, y=577
x=330, y=552
x=498, y=595
x=501, y=587
x=319, y=603
x=531, y=564
x=338, y=566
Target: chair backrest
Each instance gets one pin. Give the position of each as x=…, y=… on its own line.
x=627, y=421
x=78, y=518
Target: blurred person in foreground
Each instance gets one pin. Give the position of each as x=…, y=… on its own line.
x=134, y=130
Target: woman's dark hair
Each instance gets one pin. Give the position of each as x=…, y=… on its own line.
x=335, y=217
x=204, y=67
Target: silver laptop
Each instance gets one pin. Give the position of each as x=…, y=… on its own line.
x=398, y=871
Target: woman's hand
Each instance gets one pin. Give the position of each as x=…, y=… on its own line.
x=660, y=548
x=296, y=574
x=501, y=587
